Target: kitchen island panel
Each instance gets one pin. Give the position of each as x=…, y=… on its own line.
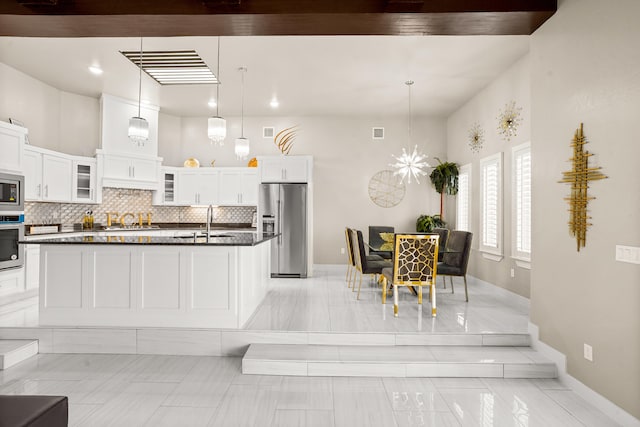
x=111, y=284
x=152, y=286
x=160, y=282
x=210, y=280
x=62, y=283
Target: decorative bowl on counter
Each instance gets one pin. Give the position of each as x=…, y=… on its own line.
x=191, y=162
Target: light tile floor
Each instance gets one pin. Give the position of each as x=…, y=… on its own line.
x=324, y=303
x=134, y=390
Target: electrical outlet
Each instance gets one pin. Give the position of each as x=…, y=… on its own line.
x=588, y=352
x=342, y=251
x=513, y=272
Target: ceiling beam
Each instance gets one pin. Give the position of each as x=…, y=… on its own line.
x=90, y=18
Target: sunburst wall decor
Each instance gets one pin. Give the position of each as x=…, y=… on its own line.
x=508, y=121
x=579, y=178
x=476, y=137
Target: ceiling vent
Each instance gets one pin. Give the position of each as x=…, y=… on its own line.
x=378, y=133
x=173, y=67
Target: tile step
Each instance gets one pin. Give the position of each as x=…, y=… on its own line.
x=396, y=361
x=15, y=351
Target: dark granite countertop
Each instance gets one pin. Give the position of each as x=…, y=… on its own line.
x=76, y=228
x=192, y=239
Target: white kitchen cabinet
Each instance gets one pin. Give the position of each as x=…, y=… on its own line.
x=47, y=175
x=32, y=175
x=84, y=181
x=198, y=187
x=11, y=283
x=168, y=189
x=116, y=113
x=126, y=171
x=238, y=187
x=285, y=168
x=12, y=139
x=32, y=267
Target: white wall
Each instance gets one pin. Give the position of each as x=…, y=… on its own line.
x=512, y=85
x=345, y=159
x=56, y=119
x=584, y=68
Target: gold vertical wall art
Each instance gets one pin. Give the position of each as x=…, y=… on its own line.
x=579, y=178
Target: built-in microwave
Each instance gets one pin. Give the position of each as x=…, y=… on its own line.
x=11, y=193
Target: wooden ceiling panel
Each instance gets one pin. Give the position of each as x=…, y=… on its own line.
x=111, y=18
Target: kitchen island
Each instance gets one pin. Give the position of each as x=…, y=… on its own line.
x=184, y=280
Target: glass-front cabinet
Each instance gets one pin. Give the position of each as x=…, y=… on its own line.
x=84, y=181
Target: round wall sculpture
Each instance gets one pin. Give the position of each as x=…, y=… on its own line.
x=386, y=189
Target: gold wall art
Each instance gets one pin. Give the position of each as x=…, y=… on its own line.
x=508, y=121
x=476, y=137
x=285, y=138
x=579, y=178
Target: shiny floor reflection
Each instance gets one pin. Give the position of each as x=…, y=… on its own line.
x=139, y=390
x=324, y=303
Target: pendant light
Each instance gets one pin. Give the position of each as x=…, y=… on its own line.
x=138, y=126
x=242, y=143
x=408, y=165
x=216, y=125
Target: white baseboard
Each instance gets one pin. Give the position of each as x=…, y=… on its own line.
x=597, y=400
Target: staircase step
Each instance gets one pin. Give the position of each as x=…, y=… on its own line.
x=15, y=351
x=396, y=361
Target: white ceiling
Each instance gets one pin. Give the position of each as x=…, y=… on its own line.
x=329, y=75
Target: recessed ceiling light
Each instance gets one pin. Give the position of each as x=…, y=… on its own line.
x=212, y=103
x=274, y=103
x=95, y=69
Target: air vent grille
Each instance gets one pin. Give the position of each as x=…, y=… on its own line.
x=178, y=67
x=377, y=133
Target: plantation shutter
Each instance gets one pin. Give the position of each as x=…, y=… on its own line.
x=463, y=204
x=522, y=195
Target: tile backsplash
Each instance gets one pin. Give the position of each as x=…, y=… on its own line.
x=134, y=201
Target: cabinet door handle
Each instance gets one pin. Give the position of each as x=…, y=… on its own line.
x=133, y=168
x=46, y=190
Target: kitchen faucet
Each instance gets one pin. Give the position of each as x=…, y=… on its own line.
x=209, y=219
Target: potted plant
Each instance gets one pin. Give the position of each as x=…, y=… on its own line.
x=444, y=178
x=426, y=223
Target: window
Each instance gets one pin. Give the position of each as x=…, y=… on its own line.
x=491, y=207
x=521, y=203
x=463, y=199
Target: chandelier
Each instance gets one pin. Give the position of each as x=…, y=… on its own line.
x=242, y=143
x=410, y=165
x=138, y=126
x=216, y=125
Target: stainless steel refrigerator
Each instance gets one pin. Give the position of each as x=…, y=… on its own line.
x=283, y=210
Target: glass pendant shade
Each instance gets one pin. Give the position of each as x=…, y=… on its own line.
x=242, y=148
x=138, y=130
x=217, y=130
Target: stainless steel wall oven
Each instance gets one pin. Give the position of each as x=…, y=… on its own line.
x=11, y=220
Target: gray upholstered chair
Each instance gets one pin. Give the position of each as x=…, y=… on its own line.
x=456, y=259
x=365, y=264
x=375, y=241
x=442, y=244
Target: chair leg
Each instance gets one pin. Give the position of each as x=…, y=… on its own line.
x=348, y=271
x=355, y=278
x=395, y=300
x=419, y=294
x=384, y=289
x=433, y=299
x=359, y=285
x=466, y=293
x=444, y=281
x=451, y=280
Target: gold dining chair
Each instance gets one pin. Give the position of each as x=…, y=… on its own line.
x=415, y=263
